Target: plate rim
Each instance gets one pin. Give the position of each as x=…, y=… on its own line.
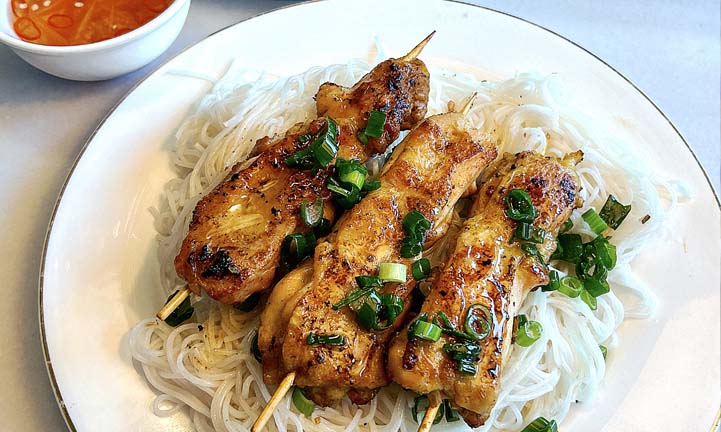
x=41, y=277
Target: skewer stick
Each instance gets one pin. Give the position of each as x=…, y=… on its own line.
x=434, y=402
x=282, y=389
x=469, y=104
x=415, y=52
x=173, y=304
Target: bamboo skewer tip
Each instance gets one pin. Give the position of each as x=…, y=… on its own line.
x=434, y=402
x=416, y=51
x=267, y=412
x=173, y=304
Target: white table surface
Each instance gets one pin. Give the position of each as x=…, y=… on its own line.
x=669, y=49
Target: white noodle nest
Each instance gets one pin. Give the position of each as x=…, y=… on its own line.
x=211, y=373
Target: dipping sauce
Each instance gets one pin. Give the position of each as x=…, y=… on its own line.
x=78, y=22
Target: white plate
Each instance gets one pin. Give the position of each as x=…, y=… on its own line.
x=100, y=272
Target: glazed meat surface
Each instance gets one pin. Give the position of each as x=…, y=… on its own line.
x=487, y=268
x=233, y=243
x=428, y=173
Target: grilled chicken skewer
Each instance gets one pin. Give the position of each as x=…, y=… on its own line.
x=428, y=172
x=489, y=269
x=233, y=243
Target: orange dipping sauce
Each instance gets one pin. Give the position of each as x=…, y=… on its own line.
x=78, y=22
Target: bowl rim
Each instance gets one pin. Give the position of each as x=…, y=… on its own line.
x=54, y=50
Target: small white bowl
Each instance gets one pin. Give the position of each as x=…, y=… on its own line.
x=101, y=60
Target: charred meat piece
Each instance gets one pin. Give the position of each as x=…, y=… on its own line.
x=489, y=269
x=233, y=243
x=428, y=173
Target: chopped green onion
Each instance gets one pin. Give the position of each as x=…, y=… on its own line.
x=589, y=299
x=466, y=355
x=532, y=250
x=302, y=403
x=541, y=425
x=354, y=177
x=368, y=281
x=391, y=308
x=528, y=232
x=570, y=248
x=295, y=248
x=181, y=313
x=613, y=212
x=361, y=135
x=323, y=228
x=371, y=186
x=415, y=223
x=566, y=227
x=374, y=127
x=519, y=206
x=596, y=287
x=410, y=248
x=254, y=349
x=311, y=213
x=422, y=329
x=528, y=331
x=442, y=321
x=570, y=286
x=594, y=221
x=248, y=304
x=352, y=297
x=604, y=351
x=421, y=404
x=392, y=272
x=320, y=152
x=478, y=326
x=605, y=252
x=339, y=190
x=368, y=310
x=451, y=413
x=421, y=269
x=346, y=198
x=314, y=339
x=553, y=281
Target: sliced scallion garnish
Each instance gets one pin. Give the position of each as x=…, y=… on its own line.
x=570, y=286
x=478, y=321
x=314, y=339
x=528, y=331
x=295, y=248
x=604, y=351
x=596, y=287
x=421, y=328
x=541, y=425
x=376, y=121
x=519, y=206
x=304, y=405
x=570, y=248
x=590, y=300
x=421, y=269
x=392, y=272
x=451, y=413
x=321, y=150
x=553, y=281
x=613, y=212
x=594, y=221
x=466, y=355
x=311, y=213
x=566, y=227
